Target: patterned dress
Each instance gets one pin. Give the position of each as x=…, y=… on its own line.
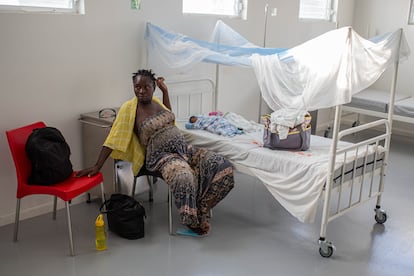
x=199, y=178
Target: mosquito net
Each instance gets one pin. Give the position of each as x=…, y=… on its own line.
x=322, y=72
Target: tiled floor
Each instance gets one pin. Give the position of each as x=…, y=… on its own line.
x=251, y=235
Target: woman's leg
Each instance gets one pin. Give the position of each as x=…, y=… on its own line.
x=181, y=180
x=215, y=178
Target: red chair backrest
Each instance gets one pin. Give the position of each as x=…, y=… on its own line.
x=17, y=142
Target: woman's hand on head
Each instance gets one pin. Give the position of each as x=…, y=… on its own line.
x=161, y=84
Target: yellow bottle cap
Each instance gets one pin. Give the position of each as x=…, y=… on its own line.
x=100, y=220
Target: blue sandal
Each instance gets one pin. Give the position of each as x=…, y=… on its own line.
x=190, y=233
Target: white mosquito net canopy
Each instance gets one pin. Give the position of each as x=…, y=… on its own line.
x=320, y=73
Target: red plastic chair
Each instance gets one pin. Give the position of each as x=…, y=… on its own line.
x=67, y=190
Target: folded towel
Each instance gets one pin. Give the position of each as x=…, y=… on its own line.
x=122, y=139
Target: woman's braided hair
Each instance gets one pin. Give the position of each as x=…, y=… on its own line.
x=144, y=73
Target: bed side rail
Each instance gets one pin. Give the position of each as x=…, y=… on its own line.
x=366, y=126
x=360, y=163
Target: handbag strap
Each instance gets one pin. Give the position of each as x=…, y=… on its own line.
x=106, y=210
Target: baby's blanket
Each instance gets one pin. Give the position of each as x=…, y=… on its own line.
x=214, y=124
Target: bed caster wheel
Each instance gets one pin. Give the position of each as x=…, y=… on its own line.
x=328, y=132
x=326, y=249
x=356, y=123
x=380, y=216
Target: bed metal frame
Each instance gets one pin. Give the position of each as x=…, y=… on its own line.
x=326, y=248
x=361, y=111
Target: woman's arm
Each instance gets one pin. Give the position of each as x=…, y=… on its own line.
x=103, y=155
x=164, y=89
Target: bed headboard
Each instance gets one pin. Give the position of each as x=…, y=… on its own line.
x=191, y=97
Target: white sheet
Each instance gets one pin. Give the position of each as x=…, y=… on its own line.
x=404, y=108
x=295, y=179
x=326, y=71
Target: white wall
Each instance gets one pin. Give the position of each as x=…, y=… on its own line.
x=55, y=67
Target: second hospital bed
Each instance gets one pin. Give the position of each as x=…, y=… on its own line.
x=296, y=179
x=376, y=103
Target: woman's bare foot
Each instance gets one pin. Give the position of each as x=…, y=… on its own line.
x=202, y=229
x=205, y=227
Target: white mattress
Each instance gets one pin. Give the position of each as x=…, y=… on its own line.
x=374, y=99
x=295, y=178
x=404, y=108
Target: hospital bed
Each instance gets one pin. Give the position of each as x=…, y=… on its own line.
x=343, y=174
x=323, y=72
x=376, y=103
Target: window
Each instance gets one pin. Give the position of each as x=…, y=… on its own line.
x=48, y=6
x=411, y=15
x=316, y=10
x=232, y=8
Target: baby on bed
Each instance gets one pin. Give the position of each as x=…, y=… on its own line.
x=214, y=124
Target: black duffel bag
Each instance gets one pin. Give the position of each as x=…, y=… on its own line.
x=125, y=216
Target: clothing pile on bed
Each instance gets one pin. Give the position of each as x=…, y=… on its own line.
x=283, y=122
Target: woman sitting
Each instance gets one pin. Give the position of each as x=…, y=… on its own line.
x=145, y=129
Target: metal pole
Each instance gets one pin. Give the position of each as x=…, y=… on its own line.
x=264, y=46
x=215, y=104
x=265, y=25
x=390, y=118
x=331, y=168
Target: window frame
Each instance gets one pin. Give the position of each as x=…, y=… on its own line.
x=241, y=4
x=411, y=14
x=78, y=7
x=330, y=12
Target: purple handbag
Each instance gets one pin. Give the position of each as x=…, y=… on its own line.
x=298, y=137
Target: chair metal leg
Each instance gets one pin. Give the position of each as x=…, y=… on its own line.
x=102, y=192
x=116, y=176
x=134, y=186
x=103, y=196
x=54, y=207
x=72, y=251
x=16, y=220
x=151, y=181
x=170, y=200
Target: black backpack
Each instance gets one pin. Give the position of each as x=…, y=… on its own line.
x=49, y=154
